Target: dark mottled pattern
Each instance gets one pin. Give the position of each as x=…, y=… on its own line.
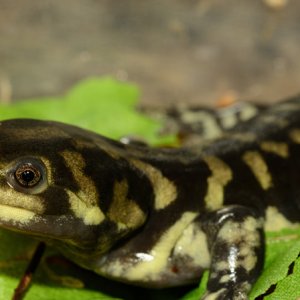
x=224, y=252
x=107, y=162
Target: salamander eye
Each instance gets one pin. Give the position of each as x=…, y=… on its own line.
x=27, y=175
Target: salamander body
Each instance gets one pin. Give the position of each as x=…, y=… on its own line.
x=156, y=217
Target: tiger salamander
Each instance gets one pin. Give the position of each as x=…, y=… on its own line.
x=155, y=217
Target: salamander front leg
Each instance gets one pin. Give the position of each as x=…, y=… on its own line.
x=236, y=241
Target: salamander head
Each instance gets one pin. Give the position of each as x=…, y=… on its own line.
x=58, y=182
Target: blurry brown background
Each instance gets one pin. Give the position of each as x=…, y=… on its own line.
x=176, y=50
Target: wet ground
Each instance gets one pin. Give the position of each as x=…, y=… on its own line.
x=175, y=50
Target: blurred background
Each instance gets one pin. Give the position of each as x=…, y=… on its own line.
x=192, y=51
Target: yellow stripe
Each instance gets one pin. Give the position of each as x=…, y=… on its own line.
x=84, y=203
x=280, y=149
x=258, y=166
x=295, y=135
x=90, y=215
x=159, y=254
x=276, y=221
x=164, y=190
x=221, y=176
x=123, y=211
x=15, y=214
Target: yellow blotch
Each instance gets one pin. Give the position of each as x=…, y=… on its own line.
x=294, y=135
x=164, y=190
x=259, y=168
x=11, y=198
x=248, y=111
x=276, y=221
x=280, y=149
x=211, y=128
x=90, y=215
x=243, y=137
x=247, y=236
x=76, y=164
x=161, y=251
x=84, y=204
x=124, y=211
x=221, y=176
x=214, y=295
x=15, y=214
x=49, y=169
x=193, y=244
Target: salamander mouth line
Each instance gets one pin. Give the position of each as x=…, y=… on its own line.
x=11, y=215
x=12, y=209
x=26, y=222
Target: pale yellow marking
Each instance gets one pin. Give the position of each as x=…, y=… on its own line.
x=161, y=251
x=221, y=176
x=278, y=148
x=275, y=221
x=165, y=191
x=258, y=166
x=91, y=215
x=243, y=137
x=248, y=111
x=124, y=211
x=15, y=215
x=211, y=127
x=278, y=122
x=149, y=269
x=294, y=135
x=84, y=204
x=48, y=166
x=12, y=198
x=221, y=266
x=246, y=235
x=193, y=243
x=76, y=164
x=214, y=295
x=229, y=121
x=225, y=278
x=233, y=232
x=249, y=262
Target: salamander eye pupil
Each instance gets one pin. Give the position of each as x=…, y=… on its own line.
x=28, y=176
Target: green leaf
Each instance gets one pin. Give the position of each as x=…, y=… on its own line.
x=195, y=294
x=282, y=251
x=288, y=288
x=101, y=105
